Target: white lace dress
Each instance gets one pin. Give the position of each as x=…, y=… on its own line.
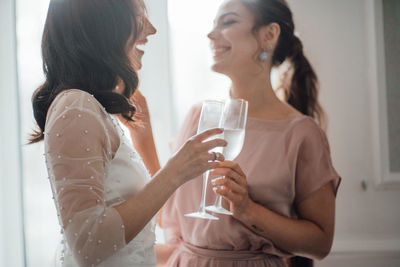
x=92, y=167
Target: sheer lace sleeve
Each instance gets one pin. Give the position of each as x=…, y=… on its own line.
x=78, y=145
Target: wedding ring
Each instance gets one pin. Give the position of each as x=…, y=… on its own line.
x=216, y=155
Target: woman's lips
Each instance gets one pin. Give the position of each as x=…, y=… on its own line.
x=140, y=44
x=219, y=51
x=139, y=51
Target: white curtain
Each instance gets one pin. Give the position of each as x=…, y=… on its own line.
x=11, y=234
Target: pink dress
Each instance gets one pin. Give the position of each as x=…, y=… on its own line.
x=285, y=161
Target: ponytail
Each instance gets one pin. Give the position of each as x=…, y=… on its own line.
x=299, y=82
x=302, y=92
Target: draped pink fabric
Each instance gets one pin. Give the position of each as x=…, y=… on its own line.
x=285, y=161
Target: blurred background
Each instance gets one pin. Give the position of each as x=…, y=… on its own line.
x=354, y=47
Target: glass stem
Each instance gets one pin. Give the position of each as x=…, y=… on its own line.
x=204, y=192
x=218, y=202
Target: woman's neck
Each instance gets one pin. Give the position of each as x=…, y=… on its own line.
x=257, y=90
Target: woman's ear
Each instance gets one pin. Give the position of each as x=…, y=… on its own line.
x=269, y=35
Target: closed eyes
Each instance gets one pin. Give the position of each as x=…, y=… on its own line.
x=228, y=22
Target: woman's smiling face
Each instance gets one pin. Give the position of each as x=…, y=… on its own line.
x=146, y=28
x=233, y=42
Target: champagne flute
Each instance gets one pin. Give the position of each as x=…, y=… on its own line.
x=211, y=117
x=234, y=124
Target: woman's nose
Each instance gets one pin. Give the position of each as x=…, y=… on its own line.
x=149, y=28
x=152, y=29
x=212, y=34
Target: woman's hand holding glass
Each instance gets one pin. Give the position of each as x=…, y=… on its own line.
x=234, y=122
x=194, y=158
x=229, y=181
x=210, y=117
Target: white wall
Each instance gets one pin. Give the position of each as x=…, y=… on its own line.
x=337, y=39
x=11, y=240
x=155, y=81
x=155, y=84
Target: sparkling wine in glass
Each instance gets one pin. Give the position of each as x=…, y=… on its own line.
x=234, y=124
x=210, y=117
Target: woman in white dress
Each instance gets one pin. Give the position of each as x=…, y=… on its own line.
x=105, y=199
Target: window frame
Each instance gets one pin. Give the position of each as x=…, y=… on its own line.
x=384, y=178
x=12, y=250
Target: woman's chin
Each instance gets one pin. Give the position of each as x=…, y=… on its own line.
x=218, y=68
x=136, y=66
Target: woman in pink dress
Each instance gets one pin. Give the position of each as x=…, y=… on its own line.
x=282, y=186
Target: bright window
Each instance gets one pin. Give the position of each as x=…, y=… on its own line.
x=192, y=78
x=41, y=225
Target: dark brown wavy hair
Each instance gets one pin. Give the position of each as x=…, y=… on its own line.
x=84, y=47
x=301, y=89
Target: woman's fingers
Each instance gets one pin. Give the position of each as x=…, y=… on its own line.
x=209, y=145
x=213, y=156
x=233, y=165
x=226, y=193
x=212, y=165
x=223, y=171
x=139, y=99
x=207, y=134
x=234, y=173
x=229, y=184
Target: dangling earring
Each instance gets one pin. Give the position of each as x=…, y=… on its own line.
x=264, y=55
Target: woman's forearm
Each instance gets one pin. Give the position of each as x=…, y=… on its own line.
x=300, y=237
x=138, y=210
x=189, y=162
x=309, y=236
